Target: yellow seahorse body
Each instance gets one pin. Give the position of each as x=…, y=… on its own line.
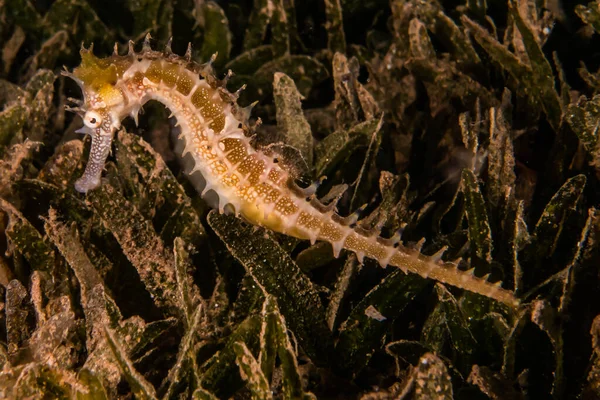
x=220, y=161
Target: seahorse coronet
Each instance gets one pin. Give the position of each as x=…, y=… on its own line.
x=217, y=154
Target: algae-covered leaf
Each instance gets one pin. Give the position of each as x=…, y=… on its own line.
x=590, y=14
x=493, y=385
x=67, y=203
x=184, y=284
x=251, y=372
x=186, y=354
x=276, y=16
x=501, y=159
x=220, y=374
x=4, y=355
x=306, y=72
x=92, y=387
x=217, y=36
x=23, y=14
x=41, y=90
x=18, y=314
x=27, y=110
x=11, y=92
x=38, y=380
x=249, y=299
x=482, y=318
x=432, y=381
x=360, y=334
x=15, y=165
x=276, y=272
x=135, y=235
x=542, y=74
x=268, y=336
x=289, y=158
x=336, y=39
x=165, y=21
x=139, y=385
x=544, y=316
x=534, y=77
x=11, y=48
x=584, y=253
x=447, y=326
x=275, y=341
x=592, y=386
x=353, y=103
x=455, y=40
x=258, y=23
x=156, y=191
x=470, y=134
x=292, y=382
x=66, y=239
x=62, y=168
x=340, y=291
x=394, y=200
x=100, y=312
x=398, y=390
x=365, y=180
x=518, y=237
x=50, y=339
x=250, y=61
x=442, y=79
x=27, y=240
x=79, y=19
x=146, y=16
x=203, y=394
x=480, y=234
x=48, y=54
x=290, y=118
x=406, y=352
x=584, y=119
x=142, y=335
x=338, y=146
x=552, y=222
x=510, y=345
x=420, y=43
x=12, y=121
x=563, y=83
x=315, y=256
x=280, y=27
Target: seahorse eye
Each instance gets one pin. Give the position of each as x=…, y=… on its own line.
x=92, y=119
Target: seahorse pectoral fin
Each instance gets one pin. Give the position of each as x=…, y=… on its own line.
x=98, y=153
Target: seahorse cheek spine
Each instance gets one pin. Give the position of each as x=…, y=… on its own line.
x=220, y=161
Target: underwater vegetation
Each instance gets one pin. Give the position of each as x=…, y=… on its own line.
x=471, y=125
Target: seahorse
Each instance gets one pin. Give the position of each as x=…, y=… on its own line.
x=220, y=161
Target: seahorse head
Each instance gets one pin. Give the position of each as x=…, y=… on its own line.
x=98, y=78
x=101, y=108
